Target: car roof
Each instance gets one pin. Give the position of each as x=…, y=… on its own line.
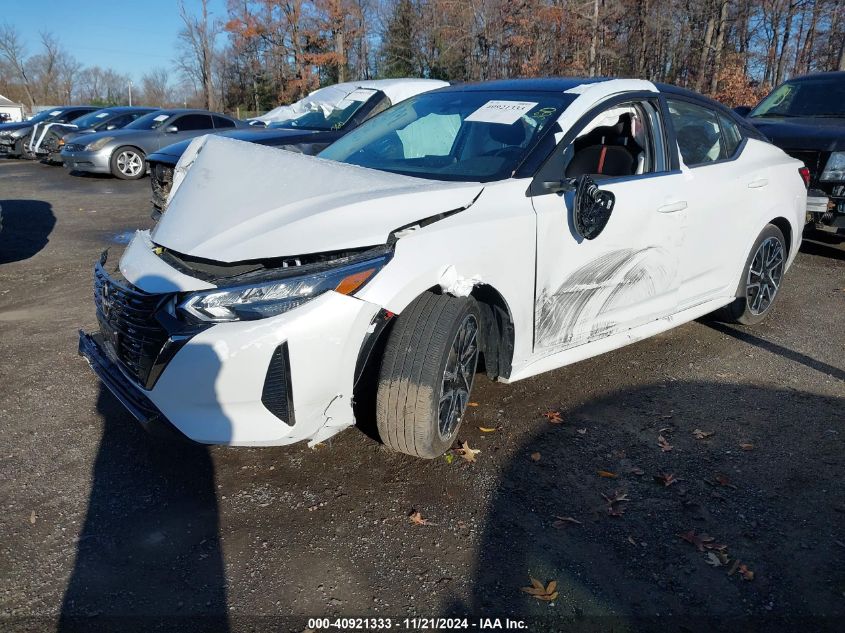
x=831, y=74
x=540, y=84
x=172, y=111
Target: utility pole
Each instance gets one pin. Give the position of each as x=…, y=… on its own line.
x=130, y=92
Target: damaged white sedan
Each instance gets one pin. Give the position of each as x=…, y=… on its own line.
x=512, y=227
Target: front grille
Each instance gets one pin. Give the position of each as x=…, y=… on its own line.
x=74, y=147
x=128, y=324
x=161, y=180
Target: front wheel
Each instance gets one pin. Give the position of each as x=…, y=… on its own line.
x=128, y=163
x=427, y=373
x=22, y=148
x=761, y=280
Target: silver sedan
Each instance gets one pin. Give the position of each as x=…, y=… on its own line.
x=123, y=152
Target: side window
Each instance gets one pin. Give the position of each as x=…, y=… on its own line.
x=732, y=137
x=698, y=133
x=624, y=140
x=221, y=122
x=191, y=122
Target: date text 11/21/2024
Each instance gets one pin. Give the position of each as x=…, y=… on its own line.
x=415, y=624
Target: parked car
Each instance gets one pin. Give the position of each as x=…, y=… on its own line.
x=123, y=153
x=805, y=117
x=14, y=137
x=528, y=223
x=307, y=126
x=47, y=139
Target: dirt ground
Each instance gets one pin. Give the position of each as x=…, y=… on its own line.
x=105, y=528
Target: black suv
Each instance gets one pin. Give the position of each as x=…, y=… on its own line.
x=805, y=117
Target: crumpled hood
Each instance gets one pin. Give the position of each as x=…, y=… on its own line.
x=233, y=201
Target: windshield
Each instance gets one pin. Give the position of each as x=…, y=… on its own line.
x=44, y=115
x=332, y=113
x=467, y=136
x=149, y=121
x=91, y=119
x=807, y=98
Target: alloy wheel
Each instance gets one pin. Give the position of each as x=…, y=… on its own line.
x=764, y=275
x=129, y=163
x=458, y=376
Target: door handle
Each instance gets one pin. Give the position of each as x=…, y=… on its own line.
x=672, y=207
x=759, y=182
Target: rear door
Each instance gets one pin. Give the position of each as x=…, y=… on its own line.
x=629, y=274
x=710, y=145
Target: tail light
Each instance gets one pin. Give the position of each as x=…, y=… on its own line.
x=805, y=175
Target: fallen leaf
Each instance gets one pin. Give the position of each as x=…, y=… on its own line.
x=581, y=431
x=562, y=522
x=723, y=480
x=472, y=404
x=665, y=429
x=636, y=470
x=701, y=541
x=664, y=444
x=535, y=456
x=32, y=517
x=746, y=573
x=417, y=519
x=449, y=457
x=607, y=474
x=632, y=541
x=713, y=559
x=466, y=452
x=701, y=435
x=553, y=417
x=538, y=591
x=614, y=503
x=747, y=447
x=667, y=479
x=488, y=429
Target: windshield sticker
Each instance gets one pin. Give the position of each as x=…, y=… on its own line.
x=161, y=117
x=55, y=112
x=102, y=114
x=507, y=112
x=359, y=94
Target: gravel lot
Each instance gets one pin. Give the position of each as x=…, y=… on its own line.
x=105, y=528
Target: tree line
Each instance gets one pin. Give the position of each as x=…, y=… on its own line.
x=264, y=52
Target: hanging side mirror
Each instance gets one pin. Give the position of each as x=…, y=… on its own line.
x=591, y=208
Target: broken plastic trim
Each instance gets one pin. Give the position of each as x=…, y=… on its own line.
x=407, y=229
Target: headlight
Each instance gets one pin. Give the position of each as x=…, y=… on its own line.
x=835, y=168
x=270, y=298
x=99, y=144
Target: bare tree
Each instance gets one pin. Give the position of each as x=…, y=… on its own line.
x=156, y=87
x=13, y=49
x=197, y=38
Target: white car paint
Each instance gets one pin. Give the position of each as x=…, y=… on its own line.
x=673, y=251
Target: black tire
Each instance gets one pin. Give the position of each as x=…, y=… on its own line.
x=750, y=307
x=20, y=148
x=119, y=163
x=412, y=379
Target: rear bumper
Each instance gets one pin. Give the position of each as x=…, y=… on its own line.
x=141, y=408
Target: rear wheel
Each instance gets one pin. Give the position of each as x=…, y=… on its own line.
x=128, y=163
x=761, y=280
x=427, y=374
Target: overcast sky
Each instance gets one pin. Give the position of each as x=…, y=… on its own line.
x=130, y=37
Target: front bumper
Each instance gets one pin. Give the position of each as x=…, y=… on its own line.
x=94, y=162
x=91, y=348
x=7, y=146
x=271, y=381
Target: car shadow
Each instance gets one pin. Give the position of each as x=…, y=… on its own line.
x=823, y=245
x=622, y=565
x=149, y=551
x=25, y=227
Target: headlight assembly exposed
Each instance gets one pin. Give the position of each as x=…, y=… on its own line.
x=270, y=298
x=99, y=144
x=835, y=168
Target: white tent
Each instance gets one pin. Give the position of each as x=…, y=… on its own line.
x=14, y=110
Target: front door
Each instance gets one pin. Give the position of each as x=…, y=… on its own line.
x=629, y=274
